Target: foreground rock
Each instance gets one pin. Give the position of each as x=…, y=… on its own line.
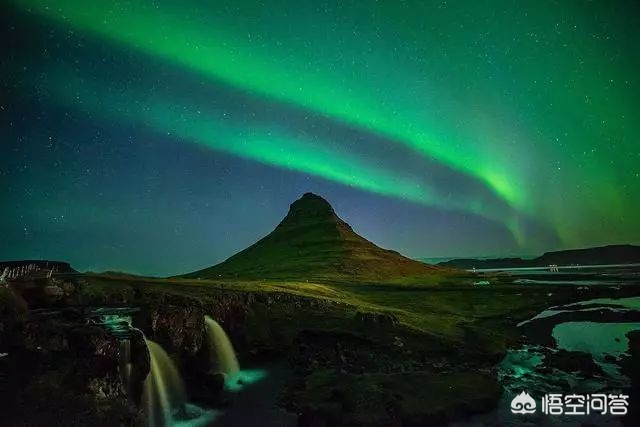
x=573, y=361
x=631, y=368
x=67, y=373
x=327, y=398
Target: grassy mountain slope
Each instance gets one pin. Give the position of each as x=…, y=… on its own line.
x=312, y=242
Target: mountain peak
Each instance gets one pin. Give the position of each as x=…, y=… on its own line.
x=310, y=195
x=312, y=242
x=310, y=205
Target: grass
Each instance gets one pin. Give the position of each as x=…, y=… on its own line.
x=451, y=310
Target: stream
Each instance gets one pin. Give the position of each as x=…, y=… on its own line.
x=597, y=327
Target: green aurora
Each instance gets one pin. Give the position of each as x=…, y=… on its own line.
x=537, y=101
x=197, y=124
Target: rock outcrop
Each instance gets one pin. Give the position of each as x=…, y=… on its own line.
x=68, y=373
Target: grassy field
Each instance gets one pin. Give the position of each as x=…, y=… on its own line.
x=450, y=309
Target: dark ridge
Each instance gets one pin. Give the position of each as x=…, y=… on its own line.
x=610, y=254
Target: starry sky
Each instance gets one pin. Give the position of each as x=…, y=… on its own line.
x=161, y=137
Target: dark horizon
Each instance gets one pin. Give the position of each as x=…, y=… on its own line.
x=433, y=260
x=114, y=268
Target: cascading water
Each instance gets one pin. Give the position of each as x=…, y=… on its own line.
x=223, y=357
x=125, y=364
x=164, y=392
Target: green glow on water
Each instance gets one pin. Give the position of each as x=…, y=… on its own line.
x=244, y=378
x=197, y=417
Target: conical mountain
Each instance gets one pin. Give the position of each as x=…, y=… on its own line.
x=312, y=242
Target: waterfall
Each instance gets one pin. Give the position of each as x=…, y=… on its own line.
x=125, y=365
x=163, y=388
x=223, y=357
x=164, y=393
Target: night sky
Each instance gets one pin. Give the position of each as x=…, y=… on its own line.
x=161, y=137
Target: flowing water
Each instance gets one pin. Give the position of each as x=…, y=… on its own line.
x=125, y=364
x=165, y=397
x=256, y=389
x=164, y=393
x=223, y=357
x=523, y=368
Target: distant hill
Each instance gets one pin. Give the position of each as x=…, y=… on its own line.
x=312, y=242
x=612, y=254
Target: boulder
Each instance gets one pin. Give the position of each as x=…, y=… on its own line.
x=574, y=361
